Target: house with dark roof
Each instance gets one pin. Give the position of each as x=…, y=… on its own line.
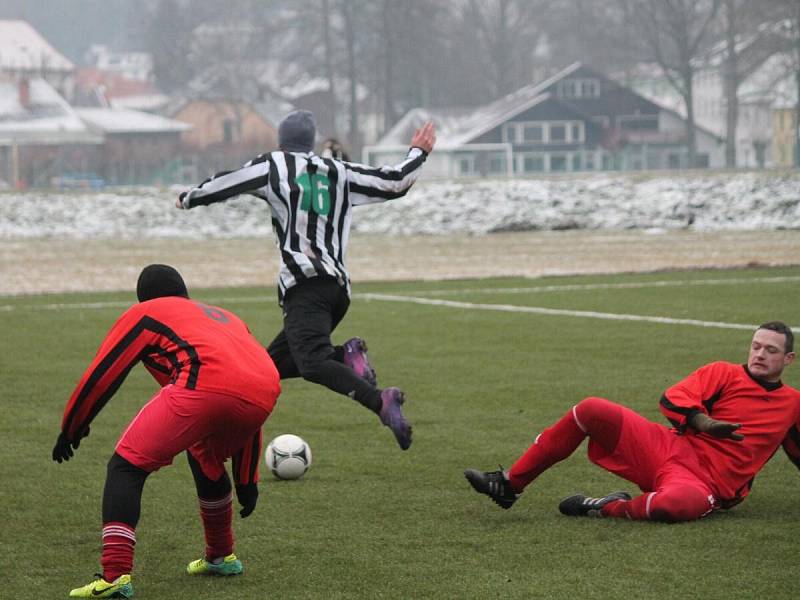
x=577, y=120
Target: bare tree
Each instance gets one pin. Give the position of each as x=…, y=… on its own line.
x=672, y=33
x=504, y=36
x=750, y=37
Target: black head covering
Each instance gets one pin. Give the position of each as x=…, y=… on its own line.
x=296, y=133
x=157, y=281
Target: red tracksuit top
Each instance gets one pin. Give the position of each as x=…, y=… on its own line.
x=768, y=412
x=183, y=342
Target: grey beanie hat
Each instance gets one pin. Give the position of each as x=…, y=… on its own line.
x=297, y=132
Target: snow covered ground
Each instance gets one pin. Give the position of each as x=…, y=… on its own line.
x=696, y=201
x=68, y=242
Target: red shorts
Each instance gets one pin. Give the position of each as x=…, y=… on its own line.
x=653, y=457
x=210, y=425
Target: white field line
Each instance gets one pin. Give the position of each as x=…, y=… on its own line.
x=538, y=310
x=510, y=290
x=608, y=286
x=475, y=306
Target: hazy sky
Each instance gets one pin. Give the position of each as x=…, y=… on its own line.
x=71, y=26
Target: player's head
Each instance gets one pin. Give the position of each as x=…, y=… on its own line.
x=157, y=281
x=771, y=350
x=297, y=132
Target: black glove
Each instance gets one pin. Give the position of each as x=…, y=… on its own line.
x=247, y=494
x=63, y=448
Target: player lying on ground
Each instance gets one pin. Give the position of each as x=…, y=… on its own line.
x=219, y=386
x=311, y=200
x=728, y=420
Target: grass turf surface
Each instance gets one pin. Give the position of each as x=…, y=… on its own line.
x=370, y=521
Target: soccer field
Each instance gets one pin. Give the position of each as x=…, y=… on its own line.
x=486, y=364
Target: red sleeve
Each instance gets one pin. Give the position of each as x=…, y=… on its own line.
x=696, y=393
x=791, y=444
x=120, y=351
x=246, y=460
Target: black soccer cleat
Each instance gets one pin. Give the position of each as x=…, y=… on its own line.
x=494, y=484
x=582, y=506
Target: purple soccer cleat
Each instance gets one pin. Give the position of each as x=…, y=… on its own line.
x=392, y=416
x=355, y=357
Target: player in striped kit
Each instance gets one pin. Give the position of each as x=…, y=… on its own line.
x=311, y=200
x=218, y=387
x=728, y=421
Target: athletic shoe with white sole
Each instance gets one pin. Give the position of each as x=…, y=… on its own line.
x=582, y=506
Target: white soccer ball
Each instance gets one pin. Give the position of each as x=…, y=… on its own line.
x=288, y=456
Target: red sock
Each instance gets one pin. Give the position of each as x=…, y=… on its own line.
x=119, y=540
x=554, y=444
x=671, y=505
x=217, y=515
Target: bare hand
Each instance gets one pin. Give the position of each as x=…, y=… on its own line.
x=179, y=200
x=424, y=137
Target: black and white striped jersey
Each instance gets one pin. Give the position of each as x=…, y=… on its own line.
x=310, y=199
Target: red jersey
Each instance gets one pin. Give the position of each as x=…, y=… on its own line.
x=728, y=392
x=180, y=341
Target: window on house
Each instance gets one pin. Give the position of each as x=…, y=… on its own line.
x=577, y=132
x=532, y=163
x=558, y=133
x=465, y=166
x=533, y=133
x=558, y=162
x=510, y=133
x=568, y=89
x=497, y=163
x=590, y=88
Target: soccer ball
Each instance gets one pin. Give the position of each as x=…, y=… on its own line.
x=288, y=456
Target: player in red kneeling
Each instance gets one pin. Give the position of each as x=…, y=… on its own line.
x=219, y=385
x=728, y=420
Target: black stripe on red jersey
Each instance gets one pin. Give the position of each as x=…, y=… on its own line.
x=681, y=410
x=791, y=445
x=144, y=324
x=152, y=363
x=709, y=404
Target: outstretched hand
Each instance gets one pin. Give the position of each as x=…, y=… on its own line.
x=425, y=137
x=715, y=428
x=179, y=200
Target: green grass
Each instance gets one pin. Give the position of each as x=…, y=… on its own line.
x=370, y=521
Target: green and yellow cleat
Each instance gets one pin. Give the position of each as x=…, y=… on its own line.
x=230, y=565
x=121, y=587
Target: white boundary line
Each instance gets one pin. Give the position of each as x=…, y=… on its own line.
x=476, y=306
x=538, y=310
x=608, y=286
